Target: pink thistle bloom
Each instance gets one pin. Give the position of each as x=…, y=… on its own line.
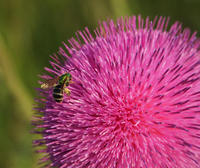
x=134, y=103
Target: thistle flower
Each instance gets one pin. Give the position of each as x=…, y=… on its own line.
x=134, y=102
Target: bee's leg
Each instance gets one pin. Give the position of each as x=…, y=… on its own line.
x=71, y=82
x=67, y=91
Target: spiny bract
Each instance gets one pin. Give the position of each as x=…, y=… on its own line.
x=134, y=103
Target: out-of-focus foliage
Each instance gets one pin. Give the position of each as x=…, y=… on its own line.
x=32, y=30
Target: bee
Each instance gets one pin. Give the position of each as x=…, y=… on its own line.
x=59, y=85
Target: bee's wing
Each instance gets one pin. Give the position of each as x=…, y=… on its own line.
x=49, y=83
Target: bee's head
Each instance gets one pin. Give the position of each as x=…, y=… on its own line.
x=65, y=78
x=68, y=76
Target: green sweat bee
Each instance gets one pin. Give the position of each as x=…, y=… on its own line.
x=59, y=85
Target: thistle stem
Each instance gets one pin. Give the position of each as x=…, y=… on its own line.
x=15, y=86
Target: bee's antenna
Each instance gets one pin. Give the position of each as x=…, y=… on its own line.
x=72, y=69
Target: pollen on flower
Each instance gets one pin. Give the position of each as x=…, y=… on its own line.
x=134, y=98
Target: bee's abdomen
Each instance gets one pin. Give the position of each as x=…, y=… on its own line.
x=58, y=93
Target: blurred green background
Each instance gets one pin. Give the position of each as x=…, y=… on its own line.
x=30, y=31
